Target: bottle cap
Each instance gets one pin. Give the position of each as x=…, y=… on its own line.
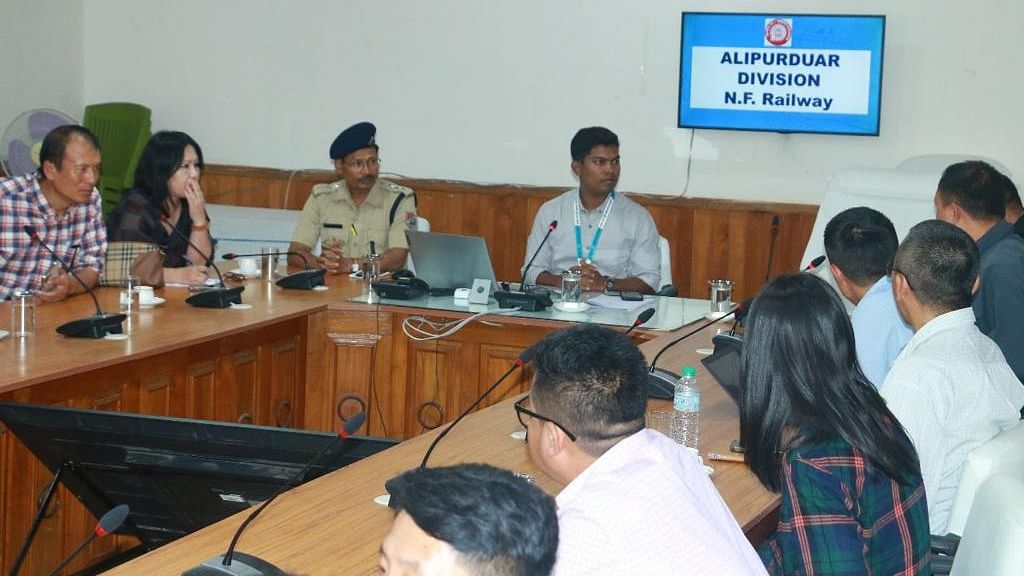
x=689, y=371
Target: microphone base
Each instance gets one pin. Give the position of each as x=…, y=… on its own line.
x=216, y=297
x=661, y=384
x=304, y=280
x=526, y=301
x=242, y=564
x=96, y=326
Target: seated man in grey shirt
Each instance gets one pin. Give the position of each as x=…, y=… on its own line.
x=608, y=238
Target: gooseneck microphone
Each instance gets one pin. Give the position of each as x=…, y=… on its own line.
x=524, y=358
x=217, y=297
x=108, y=524
x=641, y=319
x=814, y=263
x=551, y=228
x=528, y=301
x=241, y=564
x=96, y=326
x=306, y=279
x=661, y=383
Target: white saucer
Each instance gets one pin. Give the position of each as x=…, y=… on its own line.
x=709, y=470
x=4, y=334
x=249, y=275
x=520, y=435
x=714, y=315
x=156, y=301
x=572, y=308
x=320, y=288
x=116, y=337
x=241, y=306
x=383, y=499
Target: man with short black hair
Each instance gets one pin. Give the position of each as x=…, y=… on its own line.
x=635, y=502
x=951, y=387
x=347, y=215
x=1014, y=208
x=860, y=244
x=469, y=520
x=61, y=203
x=602, y=234
x=971, y=196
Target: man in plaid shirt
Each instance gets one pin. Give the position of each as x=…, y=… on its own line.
x=61, y=203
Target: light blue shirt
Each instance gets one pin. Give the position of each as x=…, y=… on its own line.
x=879, y=331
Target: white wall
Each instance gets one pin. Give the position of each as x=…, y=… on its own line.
x=493, y=91
x=41, y=64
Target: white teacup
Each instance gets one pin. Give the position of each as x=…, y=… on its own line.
x=146, y=296
x=248, y=265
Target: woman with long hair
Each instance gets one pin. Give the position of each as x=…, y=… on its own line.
x=167, y=195
x=818, y=432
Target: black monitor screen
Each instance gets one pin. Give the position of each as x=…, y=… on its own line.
x=176, y=475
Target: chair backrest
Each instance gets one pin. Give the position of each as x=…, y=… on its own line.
x=122, y=129
x=993, y=537
x=666, y=261
x=422, y=225
x=1003, y=454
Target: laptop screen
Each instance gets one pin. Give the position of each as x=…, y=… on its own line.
x=449, y=261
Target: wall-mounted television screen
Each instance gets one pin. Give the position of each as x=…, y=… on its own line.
x=781, y=72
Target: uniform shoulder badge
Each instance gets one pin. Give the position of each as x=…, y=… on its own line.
x=410, y=220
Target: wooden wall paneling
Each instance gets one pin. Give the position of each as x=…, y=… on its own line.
x=433, y=386
x=283, y=365
x=239, y=375
x=360, y=375
x=201, y=389
x=493, y=362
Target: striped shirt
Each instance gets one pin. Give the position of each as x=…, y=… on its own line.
x=24, y=262
x=840, y=515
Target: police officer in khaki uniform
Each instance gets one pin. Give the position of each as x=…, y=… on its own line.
x=350, y=213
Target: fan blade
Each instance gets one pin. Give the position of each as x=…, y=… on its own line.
x=19, y=159
x=41, y=122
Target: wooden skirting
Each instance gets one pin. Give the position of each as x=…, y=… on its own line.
x=708, y=238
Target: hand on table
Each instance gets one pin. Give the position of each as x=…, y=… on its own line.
x=56, y=285
x=592, y=280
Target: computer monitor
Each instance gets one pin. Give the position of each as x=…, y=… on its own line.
x=176, y=475
x=450, y=261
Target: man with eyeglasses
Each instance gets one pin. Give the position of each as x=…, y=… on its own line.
x=602, y=234
x=347, y=215
x=635, y=502
x=61, y=204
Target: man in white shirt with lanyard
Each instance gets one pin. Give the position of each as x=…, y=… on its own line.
x=604, y=235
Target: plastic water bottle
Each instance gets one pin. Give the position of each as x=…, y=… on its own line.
x=686, y=412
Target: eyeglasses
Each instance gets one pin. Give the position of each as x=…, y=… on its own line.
x=520, y=410
x=360, y=164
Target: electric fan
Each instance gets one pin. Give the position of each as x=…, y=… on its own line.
x=19, y=149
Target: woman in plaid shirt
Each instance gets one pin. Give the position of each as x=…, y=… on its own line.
x=818, y=432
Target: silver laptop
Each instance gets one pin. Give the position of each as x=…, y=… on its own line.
x=449, y=261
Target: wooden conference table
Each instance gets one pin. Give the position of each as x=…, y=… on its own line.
x=301, y=359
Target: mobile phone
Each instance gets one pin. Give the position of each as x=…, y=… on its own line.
x=631, y=296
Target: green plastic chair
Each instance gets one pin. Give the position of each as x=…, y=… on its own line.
x=123, y=129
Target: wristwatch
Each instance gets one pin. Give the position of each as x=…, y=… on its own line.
x=609, y=284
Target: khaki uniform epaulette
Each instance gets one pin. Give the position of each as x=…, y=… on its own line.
x=392, y=187
x=321, y=189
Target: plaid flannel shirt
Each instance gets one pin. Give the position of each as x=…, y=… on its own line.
x=23, y=262
x=840, y=515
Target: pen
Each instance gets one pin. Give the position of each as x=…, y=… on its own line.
x=335, y=226
x=725, y=457
x=353, y=228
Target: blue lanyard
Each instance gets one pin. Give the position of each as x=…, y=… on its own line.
x=597, y=235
